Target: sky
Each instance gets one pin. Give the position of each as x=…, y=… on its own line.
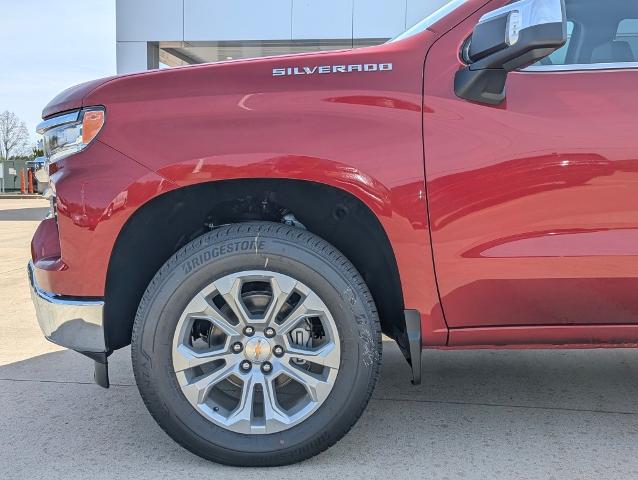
x=47, y=46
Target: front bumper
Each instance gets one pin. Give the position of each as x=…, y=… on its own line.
x=73, y=323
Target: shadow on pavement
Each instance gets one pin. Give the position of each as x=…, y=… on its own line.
x=478, y=414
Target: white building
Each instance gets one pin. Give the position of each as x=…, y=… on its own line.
x=154, y=33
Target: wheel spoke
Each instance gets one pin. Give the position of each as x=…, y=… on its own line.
x=200, y=307
x=225, y=326
x=272, y=410
x=197, y=391
x=310, y=306
x=185, y=358
x=317, y=389
x=244, y=410
x=243, y=413
x=230, y=289
x=256, y=359
x=281, y=287
x=326, y=356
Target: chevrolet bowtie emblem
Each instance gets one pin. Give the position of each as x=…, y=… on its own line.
x=258, y=349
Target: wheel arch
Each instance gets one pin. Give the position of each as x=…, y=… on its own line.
x=161, y=226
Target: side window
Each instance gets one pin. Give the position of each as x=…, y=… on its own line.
x=560, y=55
x=628, y=32
x=598, y=32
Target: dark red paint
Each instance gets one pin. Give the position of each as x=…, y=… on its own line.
x=532, y=221
x=533, y=210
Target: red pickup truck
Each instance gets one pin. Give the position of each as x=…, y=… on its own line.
x=252, y=227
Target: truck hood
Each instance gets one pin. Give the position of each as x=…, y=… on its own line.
x=224, y=81
x=250, y=75
x=72, y=98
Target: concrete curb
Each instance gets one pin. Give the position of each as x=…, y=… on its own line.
x=19, y=196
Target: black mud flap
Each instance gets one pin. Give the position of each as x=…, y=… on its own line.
x=410, y=343
x=101, y=373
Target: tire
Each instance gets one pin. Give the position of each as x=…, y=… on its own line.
x=246, y=247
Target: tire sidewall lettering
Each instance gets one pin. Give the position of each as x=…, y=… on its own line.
x=216, y=251
x=277, y=249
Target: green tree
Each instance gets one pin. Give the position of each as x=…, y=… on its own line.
x=37, y=151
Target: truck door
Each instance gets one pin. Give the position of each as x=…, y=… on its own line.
x=534, y=203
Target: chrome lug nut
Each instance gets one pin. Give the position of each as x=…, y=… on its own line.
x=266, y=367
x=269, y=332
x=237, y=347
x=246, y=366
x=278, y=350
x=249, y=331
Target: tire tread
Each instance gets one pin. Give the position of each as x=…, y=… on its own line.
x=313, y=243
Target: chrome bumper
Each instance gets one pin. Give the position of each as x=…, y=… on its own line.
x=70, y=322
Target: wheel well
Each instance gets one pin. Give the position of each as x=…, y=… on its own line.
x=165, y=224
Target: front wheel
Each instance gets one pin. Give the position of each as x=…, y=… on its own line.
x=257, y=344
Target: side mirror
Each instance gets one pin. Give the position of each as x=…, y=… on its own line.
x=512, y=37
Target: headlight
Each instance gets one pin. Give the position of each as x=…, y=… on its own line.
x=70, y=132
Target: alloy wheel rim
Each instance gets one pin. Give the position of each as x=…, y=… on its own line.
x=256, y=352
